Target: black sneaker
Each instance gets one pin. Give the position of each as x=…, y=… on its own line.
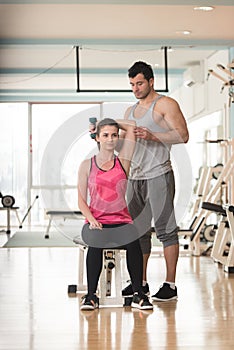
x=89, y=302
x=145, y=289
x=141, y=301
x=165, y=293
x=128, y=291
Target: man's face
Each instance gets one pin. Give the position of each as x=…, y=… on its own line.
x=140, y=86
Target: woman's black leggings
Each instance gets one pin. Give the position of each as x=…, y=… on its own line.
x=134, y=259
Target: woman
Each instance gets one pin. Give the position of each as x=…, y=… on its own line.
x=103, y=179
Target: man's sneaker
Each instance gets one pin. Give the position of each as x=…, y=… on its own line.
x=89, y=302
x=141, y=301
x=165, y=293
x=128, y=291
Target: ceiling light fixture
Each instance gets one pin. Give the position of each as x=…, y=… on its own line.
x=183, y=32
x=203, y=8
x=169, y=49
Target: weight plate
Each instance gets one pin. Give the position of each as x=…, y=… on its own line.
x=8, y=201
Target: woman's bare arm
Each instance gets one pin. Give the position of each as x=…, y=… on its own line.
x=128, y=145
x=82, y=186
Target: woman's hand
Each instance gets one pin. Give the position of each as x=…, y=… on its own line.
x=95, y=225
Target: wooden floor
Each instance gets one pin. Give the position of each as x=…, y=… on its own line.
x=36, y=312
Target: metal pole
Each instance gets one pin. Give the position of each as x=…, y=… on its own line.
x=166, y=69
x=77, y=69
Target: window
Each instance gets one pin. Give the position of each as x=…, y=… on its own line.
x=60, y=142
x=14, y=154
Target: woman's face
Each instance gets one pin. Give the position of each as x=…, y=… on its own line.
x=108, y=137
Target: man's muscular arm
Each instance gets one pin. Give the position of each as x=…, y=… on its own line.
x=173, y=122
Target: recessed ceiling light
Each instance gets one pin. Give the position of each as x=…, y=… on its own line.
x=184, y=32
x=203, y=8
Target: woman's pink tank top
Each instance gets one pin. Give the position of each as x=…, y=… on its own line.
x=107, y=191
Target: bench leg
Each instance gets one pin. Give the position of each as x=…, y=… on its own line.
x=48, y=228
x=81, y=287
x=110, y=280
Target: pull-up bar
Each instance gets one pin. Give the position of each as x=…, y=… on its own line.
x=117, y=90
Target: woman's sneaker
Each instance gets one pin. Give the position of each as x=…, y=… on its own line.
x=128, y=291
x=89, y=302
x=141, y=301
x=165, y=293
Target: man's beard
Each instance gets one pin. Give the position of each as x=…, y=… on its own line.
x=145, y=94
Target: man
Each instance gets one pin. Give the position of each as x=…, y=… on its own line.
x=160, y=123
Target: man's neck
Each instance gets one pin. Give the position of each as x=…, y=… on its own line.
x=149, y=98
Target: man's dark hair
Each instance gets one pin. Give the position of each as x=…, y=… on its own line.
x=141, y=68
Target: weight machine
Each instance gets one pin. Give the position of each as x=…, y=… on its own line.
x=8, y=202
x=110, y=283
x=220, y=191
x=227, y=82
x=223, y=248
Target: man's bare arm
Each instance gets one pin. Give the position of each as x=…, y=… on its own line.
x=175, y=126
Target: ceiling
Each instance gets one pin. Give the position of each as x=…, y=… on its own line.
x=38, y=40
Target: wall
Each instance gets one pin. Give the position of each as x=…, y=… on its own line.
x=205, y=96
x=206, y=108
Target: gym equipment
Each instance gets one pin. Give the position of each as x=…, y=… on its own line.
x=206, y=232
x=110, y=293
x=220, y=191
x=227, y=82
x=7, y=201
x=93, y=122
x=225, y=178
x=9, y=209
x=110, y=240
x=111, y=268
x=222, y=250
x=29, y=208
x=80, y=287
x=8, y=205
x=227, y=71
x=204, y=184
x=61, y=213
x=231, y=65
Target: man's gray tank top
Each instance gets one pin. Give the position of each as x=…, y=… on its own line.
x=150, y=159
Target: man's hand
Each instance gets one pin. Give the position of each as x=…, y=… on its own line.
x=143, y=133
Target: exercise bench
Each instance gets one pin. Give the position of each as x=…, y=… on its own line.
x=110, y=283
x=65, y=214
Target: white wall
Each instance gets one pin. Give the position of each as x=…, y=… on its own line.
x=205, y=96
x=207, y=113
